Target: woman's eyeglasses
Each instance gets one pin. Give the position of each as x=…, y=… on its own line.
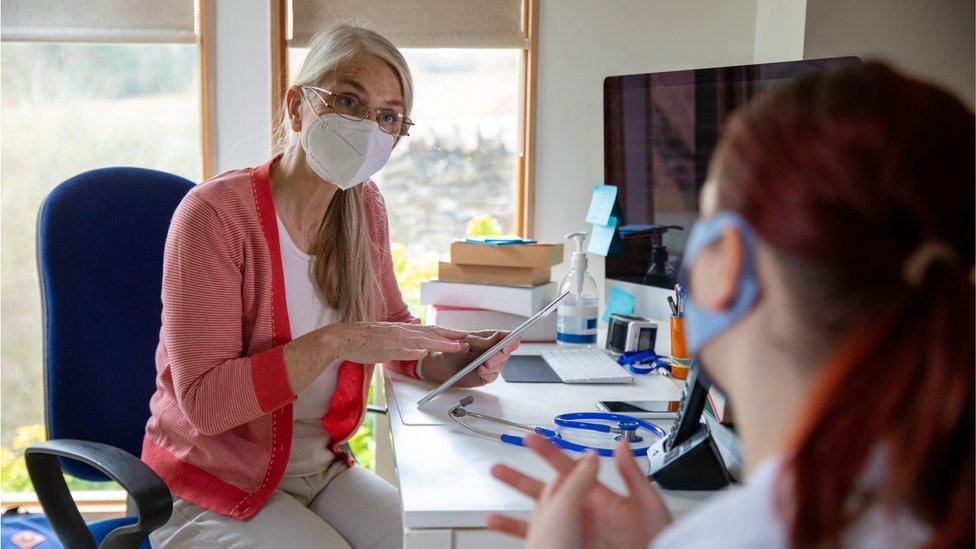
x=351, y=107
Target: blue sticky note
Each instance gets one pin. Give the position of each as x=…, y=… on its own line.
x=619, y=301
x=601, y=237
x=499, y=240
x=601, y=204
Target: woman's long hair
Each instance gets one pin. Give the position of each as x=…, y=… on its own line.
x=342, y=247
x=862, y=181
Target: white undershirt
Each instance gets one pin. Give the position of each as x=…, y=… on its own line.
x=746, y=516
x=306, y=312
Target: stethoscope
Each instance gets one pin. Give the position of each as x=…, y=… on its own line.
x=643, y=362
x=626, y=427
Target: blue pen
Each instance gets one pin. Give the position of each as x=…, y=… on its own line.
x=499, y=241
x=681, y=296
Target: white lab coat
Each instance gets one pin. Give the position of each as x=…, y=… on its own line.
x=746, y=516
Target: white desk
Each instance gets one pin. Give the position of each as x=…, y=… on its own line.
x=442, y=469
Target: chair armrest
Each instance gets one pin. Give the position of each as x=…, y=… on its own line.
x=154, y=503
x=373, y=408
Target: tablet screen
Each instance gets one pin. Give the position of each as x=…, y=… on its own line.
x=493, y=350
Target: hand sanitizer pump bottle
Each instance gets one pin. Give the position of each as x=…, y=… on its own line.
x=576, y=316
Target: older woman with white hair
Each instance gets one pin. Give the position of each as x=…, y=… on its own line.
x=278, y=297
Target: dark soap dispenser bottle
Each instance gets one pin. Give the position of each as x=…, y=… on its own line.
x=659, y=273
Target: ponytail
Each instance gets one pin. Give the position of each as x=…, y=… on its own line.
x=344, y=250
x=902, y=387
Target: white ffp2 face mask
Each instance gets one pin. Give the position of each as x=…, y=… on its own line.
x=345, y=152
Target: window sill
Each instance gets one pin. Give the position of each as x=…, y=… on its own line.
x=93, y=504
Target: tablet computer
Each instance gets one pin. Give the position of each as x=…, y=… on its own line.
x=546, y=311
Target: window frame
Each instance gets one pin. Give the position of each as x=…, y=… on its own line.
x=525, y=161
x=205, y=49
x=279, y=61
x=525, y=182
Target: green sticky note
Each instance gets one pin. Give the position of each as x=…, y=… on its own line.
x=620, y=301
x=601, y=204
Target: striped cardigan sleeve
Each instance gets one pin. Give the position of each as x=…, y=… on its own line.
x=395, y=309
x=215, y=386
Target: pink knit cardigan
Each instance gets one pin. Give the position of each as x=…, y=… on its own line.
x=220, y=430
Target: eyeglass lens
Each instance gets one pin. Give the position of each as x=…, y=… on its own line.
x=352, y=108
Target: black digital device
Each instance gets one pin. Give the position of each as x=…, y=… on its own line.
x=690, y=458
x=656, y=409
x=693, y=399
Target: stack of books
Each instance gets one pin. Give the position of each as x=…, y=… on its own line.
x=509, y=265
x=486, y=287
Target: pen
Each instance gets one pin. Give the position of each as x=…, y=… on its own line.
x=674, y=309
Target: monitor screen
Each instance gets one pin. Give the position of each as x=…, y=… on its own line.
x=659, y=133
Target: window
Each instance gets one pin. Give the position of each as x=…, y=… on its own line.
x=456, y=172
x=68, y=108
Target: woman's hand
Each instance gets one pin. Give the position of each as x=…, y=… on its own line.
x=373, y=342
x=365, y=342
x=439, y=366
x=575, y=510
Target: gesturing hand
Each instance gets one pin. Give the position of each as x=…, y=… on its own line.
x=575, y=510
x=439, y=366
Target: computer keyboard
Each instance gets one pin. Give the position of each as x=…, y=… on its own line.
x=585, y=365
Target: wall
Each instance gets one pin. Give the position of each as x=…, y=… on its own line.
x=931, y=38
x=779, y=30
x=580, y=43
x=241, y=82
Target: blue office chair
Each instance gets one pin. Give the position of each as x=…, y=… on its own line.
x=100, y=240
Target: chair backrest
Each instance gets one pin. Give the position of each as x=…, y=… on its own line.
x=100, y=240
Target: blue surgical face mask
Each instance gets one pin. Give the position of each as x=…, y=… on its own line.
x=702, y=325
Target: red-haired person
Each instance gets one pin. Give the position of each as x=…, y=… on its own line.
x=831, y=281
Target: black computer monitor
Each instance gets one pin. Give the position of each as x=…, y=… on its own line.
x=659, y=133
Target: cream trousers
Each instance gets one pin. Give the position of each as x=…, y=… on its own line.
x=338, y=507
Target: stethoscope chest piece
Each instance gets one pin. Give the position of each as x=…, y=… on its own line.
x=628, y=430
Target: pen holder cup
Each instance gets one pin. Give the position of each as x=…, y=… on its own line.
x=680, y=358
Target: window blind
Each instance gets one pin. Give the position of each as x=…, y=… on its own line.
x=417, y=23
x=160, y=21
